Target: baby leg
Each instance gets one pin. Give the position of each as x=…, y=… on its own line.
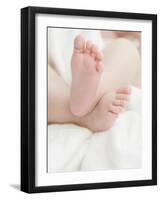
x=58, y=99
x=122, y=66
x=90, y=80
x=101, y=118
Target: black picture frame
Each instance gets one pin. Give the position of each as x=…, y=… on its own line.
x=28, y=98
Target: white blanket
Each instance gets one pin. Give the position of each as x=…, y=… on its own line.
x=73, y=148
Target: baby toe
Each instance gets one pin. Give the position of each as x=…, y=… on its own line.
x=99, y=66
x=99, y=56
x=120, y=102
x=88, y=46
x=124, y=90
x=79, y=44
x=115, y=109
x=121, y=96
x=94, y=50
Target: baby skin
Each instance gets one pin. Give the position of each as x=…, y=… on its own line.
x=87, y=99
x=97, y=96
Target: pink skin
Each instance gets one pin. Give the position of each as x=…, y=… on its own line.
x=101, y=118
x=93, y=101
x=87, y=68
x=107, y=110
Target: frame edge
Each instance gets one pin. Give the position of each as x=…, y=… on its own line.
x=24, y=100
x=27, y=100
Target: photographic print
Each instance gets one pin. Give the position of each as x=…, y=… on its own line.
x=94, y=100
x=88, y=93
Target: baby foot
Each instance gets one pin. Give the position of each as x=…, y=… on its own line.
x=87, y=68
x=107, y=110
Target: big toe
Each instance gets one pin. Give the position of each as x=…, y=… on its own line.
x=79, y=44
x=124, y=90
